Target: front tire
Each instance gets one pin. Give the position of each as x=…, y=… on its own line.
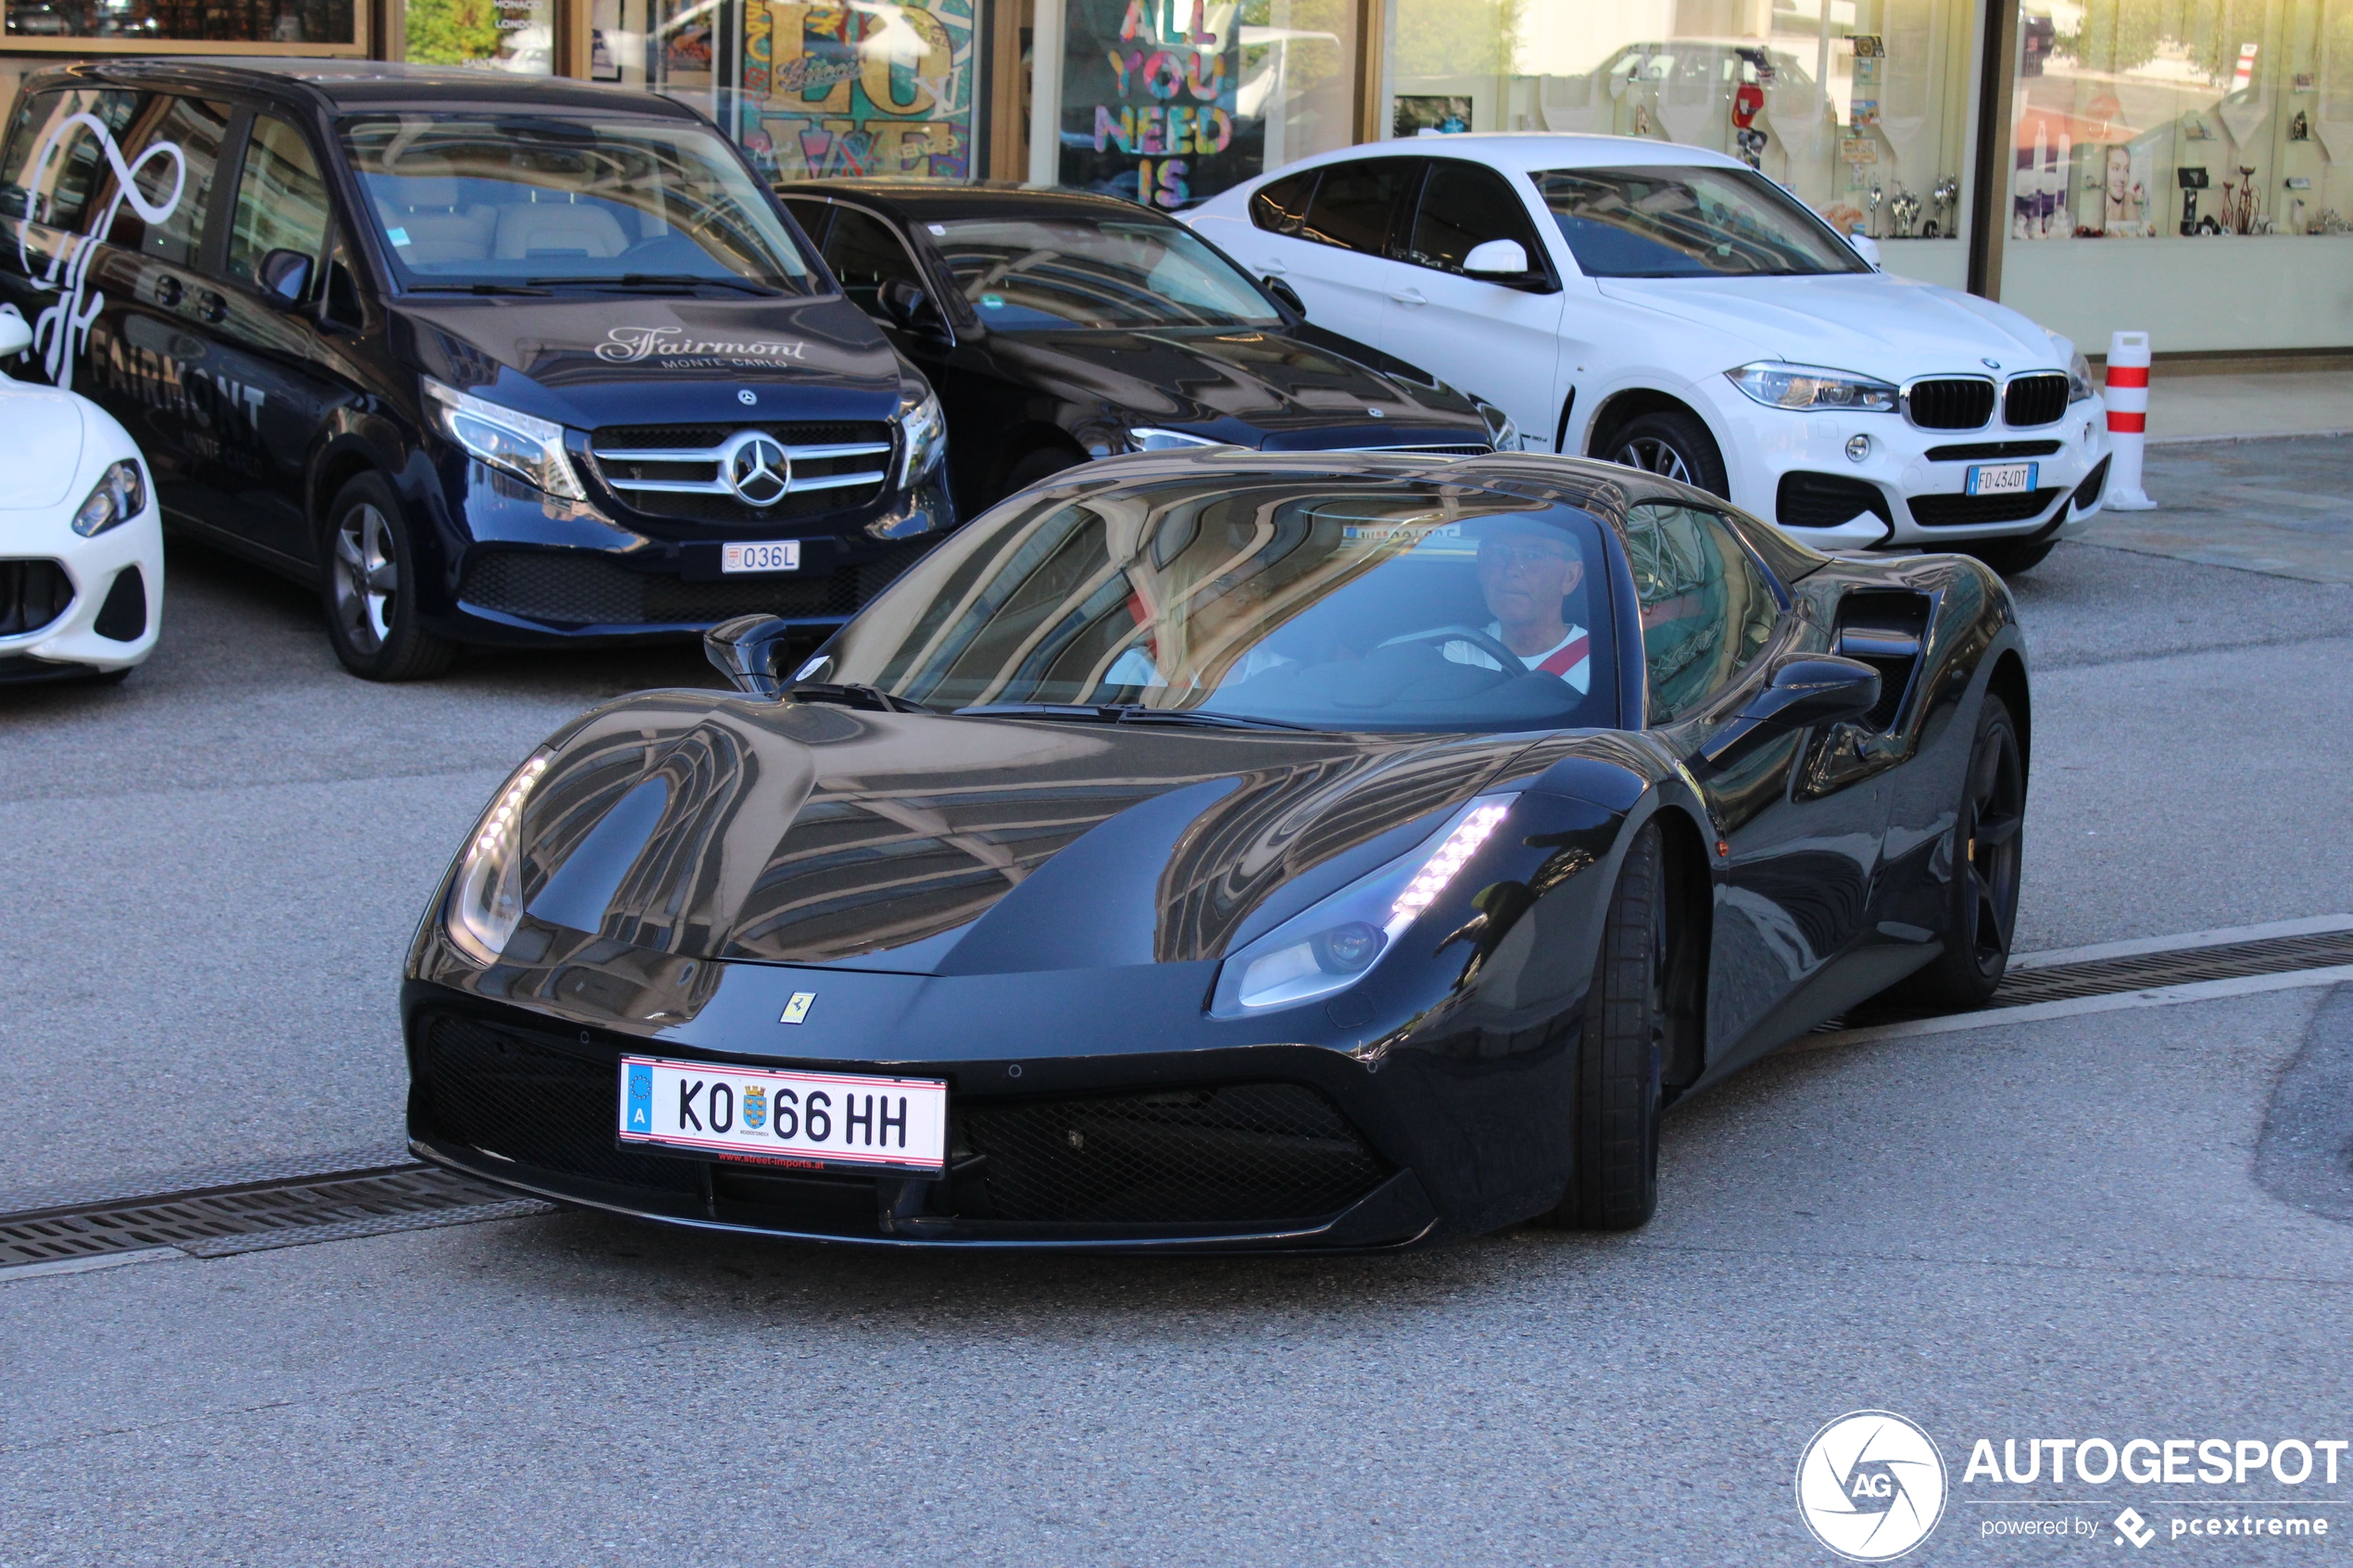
x=1672, y=443
x=1614, y=1123
x=369, y=588
x=1987, y=834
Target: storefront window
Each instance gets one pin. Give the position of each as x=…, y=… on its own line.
x=513, y=35
x=1170, y=101
x=1860, y=108
x=2202, y=142
x=867, y=89
x=208, y=21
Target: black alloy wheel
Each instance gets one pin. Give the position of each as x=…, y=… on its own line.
x=1987, y=840
x=2010, y=557
x=1613, y=1159
x=371, y=616
x=1672, y=444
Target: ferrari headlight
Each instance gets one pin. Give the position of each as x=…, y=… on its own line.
x=1333, y=944
x=1500, y=432
x=120, y=495
x=924, y=428
x=2079, y=384
x=485, y=898
x=1812, y=388
x=507, y=439
x=1144, y=438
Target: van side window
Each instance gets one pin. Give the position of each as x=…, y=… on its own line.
x=1281, y=206
x=1708, y=607
x=1463, y=206
x=865, y=254
x=178, y=180
x=54, y=160
x=1354, y=204
x=282, y=202
x=814, y=216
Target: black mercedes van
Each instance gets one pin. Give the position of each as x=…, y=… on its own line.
x=487, y=360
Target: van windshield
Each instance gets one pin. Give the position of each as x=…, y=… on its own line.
x=545, y=201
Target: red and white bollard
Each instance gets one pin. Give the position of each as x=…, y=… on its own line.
x=2127, y=419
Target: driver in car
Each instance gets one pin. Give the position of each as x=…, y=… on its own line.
x=1527, y=571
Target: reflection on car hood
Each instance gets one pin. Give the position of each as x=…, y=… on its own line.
x=1271, y=382
x=804, y=833
x=1871, y=323
x=41, y=434
x=589, y=359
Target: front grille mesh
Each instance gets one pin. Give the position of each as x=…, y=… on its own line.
x=623, y=476
x=1990, y=451
x=33, y=594
x=1959, y=511
x=1954, y=402
x=2028, y=401
x=1246, y=1153
x=1826, y=500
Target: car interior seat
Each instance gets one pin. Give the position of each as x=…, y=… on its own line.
x=558, y=229
x=428, y=207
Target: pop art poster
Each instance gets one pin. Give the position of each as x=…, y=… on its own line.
x=872, y=89
x=1150, y=93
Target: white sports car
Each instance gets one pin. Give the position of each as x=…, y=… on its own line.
x=1670, y=309
x=81, y=543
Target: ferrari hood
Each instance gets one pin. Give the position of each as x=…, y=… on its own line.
x=43, y=430
x=1872, y=323
x=700, y=826
x=592, y=359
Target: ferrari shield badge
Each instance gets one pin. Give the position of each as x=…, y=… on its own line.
x=755, y=1108
x=641, y=1098
x=796, y=1010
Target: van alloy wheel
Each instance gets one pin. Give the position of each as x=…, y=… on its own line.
x=366, y=569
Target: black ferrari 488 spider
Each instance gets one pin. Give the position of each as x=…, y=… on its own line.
x=1231, y=851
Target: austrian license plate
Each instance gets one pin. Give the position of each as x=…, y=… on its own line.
x=800, y=1121
x=765, y=554
x=2001, y=479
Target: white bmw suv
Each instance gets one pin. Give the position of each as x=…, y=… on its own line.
x=1670, y=309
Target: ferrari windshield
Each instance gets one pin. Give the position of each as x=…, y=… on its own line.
x=1095, y=272
x=534, y=200
x=1662, y=221
x=1329, y=602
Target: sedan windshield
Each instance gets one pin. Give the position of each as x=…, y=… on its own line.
x=1329, y=602
x=1089, y=272
x=1669, y=223
x=540, y=201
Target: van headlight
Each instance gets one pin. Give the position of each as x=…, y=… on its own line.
x=1147, y=438
x=924, y=428
x=485, y=896
x=1333, y=944
x=120, y=495
x=507, y=439
x=1812, y=388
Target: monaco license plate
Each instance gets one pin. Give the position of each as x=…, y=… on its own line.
x=761, y=554
x=2001, y=479
x=800, y=1121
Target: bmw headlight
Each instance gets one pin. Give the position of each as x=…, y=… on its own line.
x=924, y=428
x=1145, y=438
x=1812, y=388
x=2079, y=384
x=507, y=439
x=120, y=495
x=485, y=898
x=1333, y=944
x=1501, y=434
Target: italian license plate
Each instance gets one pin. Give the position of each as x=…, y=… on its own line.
x=2001, y=479
x=800, y=1121
x=765, y=555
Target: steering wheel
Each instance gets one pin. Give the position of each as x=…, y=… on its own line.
x=1506, y=661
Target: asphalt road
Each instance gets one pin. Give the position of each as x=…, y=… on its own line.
x=2045, y=1229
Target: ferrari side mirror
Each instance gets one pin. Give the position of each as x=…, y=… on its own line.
x=1817, y=689
x=750, y=651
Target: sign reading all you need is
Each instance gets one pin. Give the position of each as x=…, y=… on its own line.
x=1149, y=100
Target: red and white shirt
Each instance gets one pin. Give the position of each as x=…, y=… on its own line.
x=1569, y=659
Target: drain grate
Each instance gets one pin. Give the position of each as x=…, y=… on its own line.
x=257, y=1216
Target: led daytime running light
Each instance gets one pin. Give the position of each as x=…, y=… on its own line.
x=1440, y=869
x=486, y=902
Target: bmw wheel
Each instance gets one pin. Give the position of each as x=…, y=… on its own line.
x=1673, y=444
x=371, y=616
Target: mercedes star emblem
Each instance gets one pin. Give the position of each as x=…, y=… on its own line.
x=757, y=470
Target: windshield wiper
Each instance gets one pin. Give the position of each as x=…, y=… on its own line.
x=851, y=695
x=473, y=288
x=1126, y=713
x=663, y=281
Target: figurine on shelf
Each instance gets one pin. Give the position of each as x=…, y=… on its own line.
x=1878, y=195
x=1906, y=209
x=1943, y=195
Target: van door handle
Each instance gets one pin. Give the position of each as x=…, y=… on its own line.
x=1408, y=296
x=1274, y=268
